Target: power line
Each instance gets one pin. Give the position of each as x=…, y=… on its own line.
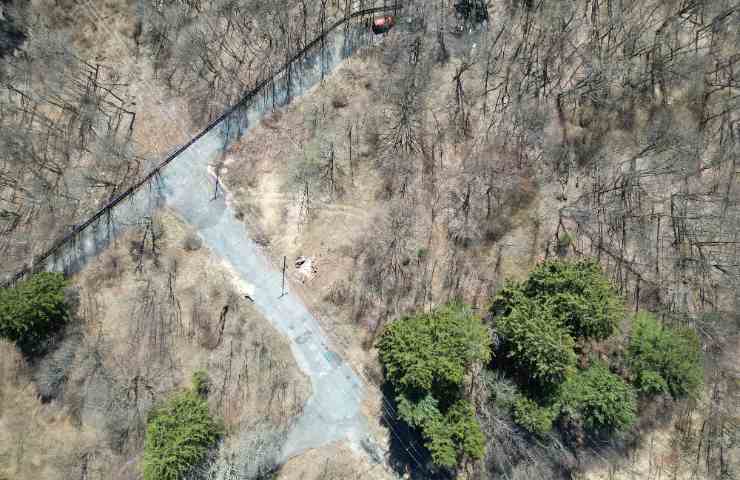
x=387, y=406
x=70, y=237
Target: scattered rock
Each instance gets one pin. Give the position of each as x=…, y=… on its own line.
x=339, y=101
x=373, y=450
x=306, y=268
x=247, y=291
x=192, y=243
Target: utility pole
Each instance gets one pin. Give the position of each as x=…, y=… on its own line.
x=351, y=169
x=284, y=265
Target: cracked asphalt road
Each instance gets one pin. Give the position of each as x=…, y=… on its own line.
x=333, y=412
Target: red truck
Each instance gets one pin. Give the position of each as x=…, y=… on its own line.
x=383, y=24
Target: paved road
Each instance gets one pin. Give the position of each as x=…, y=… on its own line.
x=333, y=410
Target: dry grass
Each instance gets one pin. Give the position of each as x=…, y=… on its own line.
x=333, y=462
x=103, y=32
x=257, y=175
x=342, y=225
x=206, y=324
x=34, y=438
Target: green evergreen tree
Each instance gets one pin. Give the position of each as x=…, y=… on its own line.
x=602, y=400
x=455, y=434
x=425, y=358
x=538, y=345
x=179, y=434
x=532, y=417
x=582, y=298
x=664, y=360
x=32, y=311
x=539, y=321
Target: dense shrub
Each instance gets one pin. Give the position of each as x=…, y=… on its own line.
x=650, y=383
x=433, y=348
x=534, y=340
x=455, y=434
x=539, y=321
x=33, y=311
x=532, y=417
x=603, y=401
x=425, y=358
x=201, y=383
x=580, y=295
x=664, y=360
x=179, y=434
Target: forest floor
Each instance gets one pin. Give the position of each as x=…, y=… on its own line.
x=150, y=313
x=153, y=314
x=333, y=226
x=104, y=31
x=262, y=175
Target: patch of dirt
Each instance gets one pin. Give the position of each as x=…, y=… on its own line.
x=257, y=175
x=333, y=462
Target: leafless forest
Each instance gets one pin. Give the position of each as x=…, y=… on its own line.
x=477, y=139
x=457, y=155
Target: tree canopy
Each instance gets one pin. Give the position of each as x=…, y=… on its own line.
x=32, y=311
x=664, y=360
x=533, y=417
x=600, y=399
x=540, y=318
x=179, y=433
x=534, y=339
x=576, y=295
x=539, y=322
x=425, y=358
x=563, y=305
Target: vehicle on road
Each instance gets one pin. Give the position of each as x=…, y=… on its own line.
x=383, y=24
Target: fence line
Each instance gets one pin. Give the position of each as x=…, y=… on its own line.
x=155, y=172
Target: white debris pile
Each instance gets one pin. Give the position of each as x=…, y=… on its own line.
x=305, y=268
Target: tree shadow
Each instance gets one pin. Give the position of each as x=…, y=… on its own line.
x=12, y=36
x=407, y=453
